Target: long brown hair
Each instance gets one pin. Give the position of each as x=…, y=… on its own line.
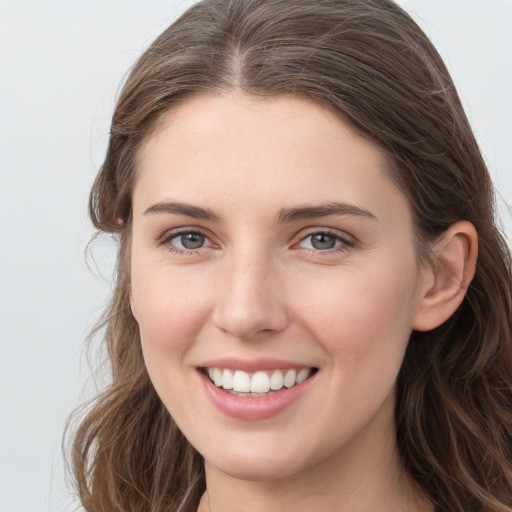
x=370, y=63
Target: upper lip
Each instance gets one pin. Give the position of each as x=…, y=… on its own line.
x=253, y=365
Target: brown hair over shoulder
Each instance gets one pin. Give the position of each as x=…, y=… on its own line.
x=370, y=63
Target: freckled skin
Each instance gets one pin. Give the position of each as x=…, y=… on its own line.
x=258, y=288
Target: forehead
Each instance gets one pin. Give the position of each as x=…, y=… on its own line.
x=236, y=150
x=255, y=124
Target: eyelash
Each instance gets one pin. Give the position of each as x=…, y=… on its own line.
x=346, y=243
x=168, y=237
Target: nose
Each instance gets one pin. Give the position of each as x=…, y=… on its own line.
x=250, y=302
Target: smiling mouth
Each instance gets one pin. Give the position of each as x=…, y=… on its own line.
x=257, y=384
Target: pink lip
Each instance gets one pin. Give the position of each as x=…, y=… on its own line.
x=253, y=365
x=253, y=409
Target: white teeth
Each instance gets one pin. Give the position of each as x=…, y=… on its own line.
x=276, y=381
x=289, y=378
x=259, y=383
x=302, y=375
x=241, y=382
x=217, y=377
x=227, y=379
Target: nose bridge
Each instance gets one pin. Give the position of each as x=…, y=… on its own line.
x=250, y=300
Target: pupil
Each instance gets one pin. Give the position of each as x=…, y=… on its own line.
x=322, y=242
x=192, y=240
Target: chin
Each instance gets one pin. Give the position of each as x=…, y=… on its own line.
x=262, y=469
x=259, y=459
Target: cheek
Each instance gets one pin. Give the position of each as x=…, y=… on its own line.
x=365, y=320
x=363, y=326
x=170, y=313
x=169, y=309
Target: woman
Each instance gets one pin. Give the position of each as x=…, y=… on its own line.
x=300, y=321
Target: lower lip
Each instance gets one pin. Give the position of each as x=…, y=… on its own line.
x=258, y=408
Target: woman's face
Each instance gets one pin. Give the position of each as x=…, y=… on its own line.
x=270, y=246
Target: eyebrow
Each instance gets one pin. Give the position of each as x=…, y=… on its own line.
x=311, y=212
x=284, y=215
x=175, y=208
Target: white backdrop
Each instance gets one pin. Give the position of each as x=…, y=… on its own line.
x=61, y=62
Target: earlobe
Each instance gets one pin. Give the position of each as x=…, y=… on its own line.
x=451, y=272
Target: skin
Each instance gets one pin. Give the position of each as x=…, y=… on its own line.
x=258, y=288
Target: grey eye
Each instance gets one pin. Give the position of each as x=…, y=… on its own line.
x=325, y=241
x=322, y=241
x=191, y=240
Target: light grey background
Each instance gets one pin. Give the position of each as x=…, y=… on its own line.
x=61, y=62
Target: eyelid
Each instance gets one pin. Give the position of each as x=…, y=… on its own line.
x=316, y=230
x=170, y=234
x=347, y=241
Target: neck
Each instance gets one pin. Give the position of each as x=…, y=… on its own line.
x=363, y=477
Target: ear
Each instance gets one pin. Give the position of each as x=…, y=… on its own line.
x=447, y=278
